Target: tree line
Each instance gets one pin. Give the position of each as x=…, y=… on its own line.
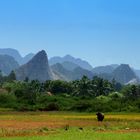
x=85, y=94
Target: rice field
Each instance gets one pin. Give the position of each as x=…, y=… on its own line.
x=68, y=125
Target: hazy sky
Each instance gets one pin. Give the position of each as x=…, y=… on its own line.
x=99, y=31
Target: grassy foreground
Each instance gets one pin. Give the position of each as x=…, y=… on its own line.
x=80, y=126
x=85, y=135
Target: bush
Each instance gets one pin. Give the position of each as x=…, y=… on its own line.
x=24, y=107
x=99, y=106
x=103, y=99
x=50, y=107
x=116, y=95
x=82, y=106
x=7, y=100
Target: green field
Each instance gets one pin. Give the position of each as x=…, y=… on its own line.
x=86, y=135
x=68, y=126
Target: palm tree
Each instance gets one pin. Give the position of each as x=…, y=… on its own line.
x=84, y=87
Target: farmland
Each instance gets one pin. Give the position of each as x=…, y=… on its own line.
x=53, y=126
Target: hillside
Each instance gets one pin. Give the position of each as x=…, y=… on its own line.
x=36, y=69
x=68, y=75
x=103, y=69
x=16, y=55
x=7, y=64
x=68, y=58
x=124, y=74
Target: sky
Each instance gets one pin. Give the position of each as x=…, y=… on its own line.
x=100, y=31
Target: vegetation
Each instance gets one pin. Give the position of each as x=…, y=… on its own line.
x=68, y=125
x=72, y=135
x=85, y=95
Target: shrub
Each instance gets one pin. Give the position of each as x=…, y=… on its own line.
x=82, y=106
x=50, y=107
x=7, y=100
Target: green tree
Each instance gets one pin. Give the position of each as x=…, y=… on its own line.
x=1, y=78
x=60, y=87
x=83, y=87
x=11, y=77
x=26, y=79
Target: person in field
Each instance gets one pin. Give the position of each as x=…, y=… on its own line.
x=100, y=116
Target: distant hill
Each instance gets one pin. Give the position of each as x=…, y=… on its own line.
x=114, y=65
x=7, y=64
x=12, y=52
x=27, y=58
x=64, y=68
x=124, y=74
x=79, y=72
x=75, y=74
x=83, y=64
x=69, y=65
x=36, y=69
x=108, y=69
x=59, y=72
x=106, y=76
x=16, y=55
x=137, y=73
x=103, y=69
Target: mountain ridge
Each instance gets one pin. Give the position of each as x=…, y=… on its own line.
x=124, y=74
x=69, y=68
x=7, y=64
x=82, y=63
x=68, y=75
x=36, y=69
x=16, y=55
